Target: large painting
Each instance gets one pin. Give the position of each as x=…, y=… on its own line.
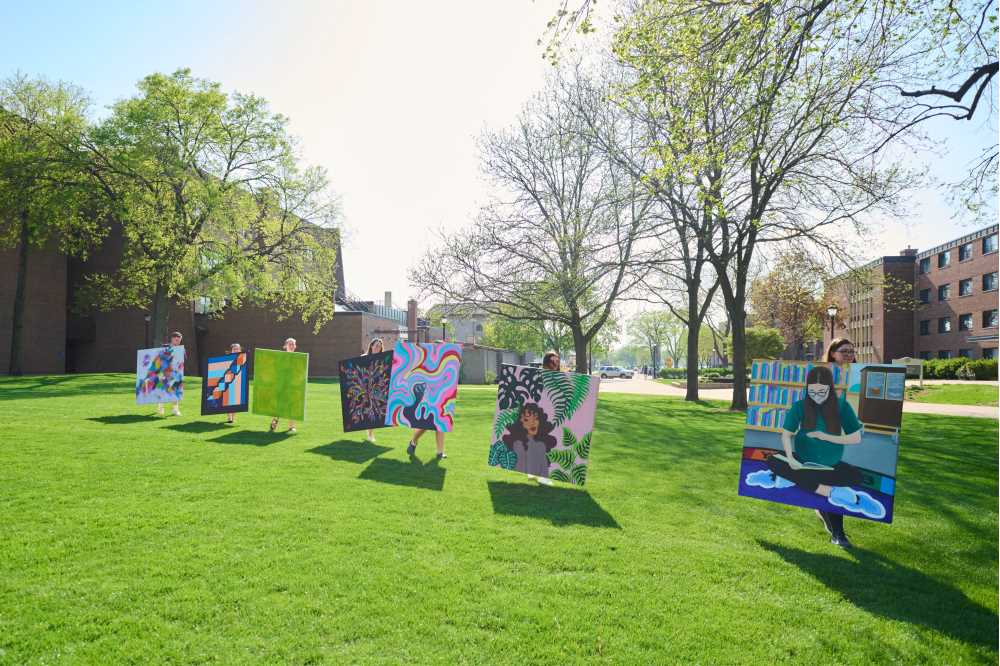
x=279, y=383
x=423, y=386
x=159, y=375
x=364, y=390
x=225, y=386
x=824, y=436
x=543, y=423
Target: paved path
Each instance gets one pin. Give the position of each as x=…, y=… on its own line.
x=643, y=386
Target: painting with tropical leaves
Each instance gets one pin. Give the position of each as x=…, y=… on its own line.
x=543, y=423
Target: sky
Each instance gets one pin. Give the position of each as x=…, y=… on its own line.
x=387, y=95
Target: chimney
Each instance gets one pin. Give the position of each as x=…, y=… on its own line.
x=411, y=320
x=908, y=252
x=388, y=299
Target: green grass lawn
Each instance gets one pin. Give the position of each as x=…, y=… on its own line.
x=130, y=538
x=954, y=394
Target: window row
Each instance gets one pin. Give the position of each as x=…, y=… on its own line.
x=964, y=288
x=964, y=322
x=989, y=245
x=988, y=353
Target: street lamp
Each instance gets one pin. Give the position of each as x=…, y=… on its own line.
x=831, y=312
x=444, y=322
x=147, y=319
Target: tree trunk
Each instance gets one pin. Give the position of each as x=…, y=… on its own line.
x=580, y=346
x=694, y=329
x=738, y=319
x=17, y=324
x=161, y=311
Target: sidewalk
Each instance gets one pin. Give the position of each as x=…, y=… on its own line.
x=642, y=386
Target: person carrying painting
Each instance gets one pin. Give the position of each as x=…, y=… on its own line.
x=411, y=448
x=551, y=361
x=289, y=346
x=374, y=347
x=814, y=433
x=175, y=341
x=234, y=348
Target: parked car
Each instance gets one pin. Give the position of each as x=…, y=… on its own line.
x=608, y=371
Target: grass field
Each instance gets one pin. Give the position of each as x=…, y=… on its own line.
x=130, y=538
x=954, y=394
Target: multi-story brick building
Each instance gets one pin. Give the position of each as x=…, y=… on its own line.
x=57, y=340
x=940, y=303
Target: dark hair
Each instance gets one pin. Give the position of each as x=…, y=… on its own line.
x=549, y=355
x=177, y=334
x=834, y=345
x=820, y=374
x=372, y=344
x=517, y=433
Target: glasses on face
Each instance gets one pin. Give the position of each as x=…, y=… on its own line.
x=845, y=352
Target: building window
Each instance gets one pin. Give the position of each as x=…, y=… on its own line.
x=990, y=281
x=944, y=292
x=990, y=352
x=925, y=326
x=990, y=244
x=965, y=287
x=944, y=325
x=925, y=355
x=944, y=353
x=965, y=322
x=925, y=265
x=965, y=252
x=989, y=319
x=925, y=296
x=944, y=259
x=963, y=353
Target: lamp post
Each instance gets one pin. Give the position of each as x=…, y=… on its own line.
x=831, y=312
x=444, y=323
x=147, y=319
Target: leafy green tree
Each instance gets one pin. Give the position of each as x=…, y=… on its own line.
x=43, y=199
x=787, y=298
x=763, y=342
x=212, y=202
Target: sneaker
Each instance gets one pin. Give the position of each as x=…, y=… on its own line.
x=159, y=408
x=411, y=448
x=370, y=440
x=840, y=540
x=856, y=501
x=177, y=411
x=544, y=481
x=292, y=429
x=442, y=456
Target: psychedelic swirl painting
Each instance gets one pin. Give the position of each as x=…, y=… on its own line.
x=424, y=385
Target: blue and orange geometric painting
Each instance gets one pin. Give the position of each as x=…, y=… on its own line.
x=159, y=375
x=823, y=436
x=225, y=384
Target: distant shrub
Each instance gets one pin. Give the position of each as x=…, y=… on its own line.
x=960, y=368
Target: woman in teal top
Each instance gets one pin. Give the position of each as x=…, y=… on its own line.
x=815, y=431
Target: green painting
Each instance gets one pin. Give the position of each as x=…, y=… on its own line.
x=279, y=383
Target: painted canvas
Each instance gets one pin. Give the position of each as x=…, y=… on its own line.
x=279, y=383
x=364, y=390
x=543, y=423
x=225, y=384
x=823, y=436
x=159, y=375
x=423, y=385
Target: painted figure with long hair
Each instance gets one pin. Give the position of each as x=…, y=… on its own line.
x=530, y=437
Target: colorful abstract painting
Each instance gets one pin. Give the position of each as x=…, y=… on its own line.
x=791, y=456
x=543, y=423
x=279, y=383
x=159, y=375
x=364, y=390
x=225, y=384
x=423, y=386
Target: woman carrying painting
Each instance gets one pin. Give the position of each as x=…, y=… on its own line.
x=375, y=346
x=289, y=346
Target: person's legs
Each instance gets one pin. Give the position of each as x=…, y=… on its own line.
x=159, y=408
x=291, y=426
x=439, y=440
x=411, y=448
x=177, y=408
x=370, y=435
x=274, y=424
x=231, y=417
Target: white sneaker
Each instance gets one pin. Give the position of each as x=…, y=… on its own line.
x=177, y=410
x=159, y=408
x=542, y=480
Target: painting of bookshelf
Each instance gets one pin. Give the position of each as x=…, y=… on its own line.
x=775, y=385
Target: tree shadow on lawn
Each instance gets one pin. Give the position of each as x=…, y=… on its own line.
x=429, y=476
x=886, y=588
x=125, y=419
x=347, y=450
x=252, y=438
x=20, y=388
x=560, y=506
x=197, y=426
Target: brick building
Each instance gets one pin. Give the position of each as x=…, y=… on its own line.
x=58, y=341
x=940, y=303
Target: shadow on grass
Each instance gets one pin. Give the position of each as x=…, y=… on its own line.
x=251, y=438
x=415, y=474
x=125, y=419
x=560, y=506
x=197, y=426
x=347, y=450
x=886, y=588
x=20, y=388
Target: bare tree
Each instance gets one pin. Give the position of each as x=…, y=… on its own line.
x=563, y=239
